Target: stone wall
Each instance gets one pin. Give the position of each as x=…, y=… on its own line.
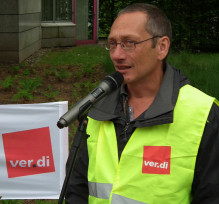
x=58, y=34
x=22, y=33
x=20, y=29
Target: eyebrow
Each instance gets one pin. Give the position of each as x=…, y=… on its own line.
x=123, y=37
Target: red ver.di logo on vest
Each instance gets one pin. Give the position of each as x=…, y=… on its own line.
x=156, y=160
x=28, y=152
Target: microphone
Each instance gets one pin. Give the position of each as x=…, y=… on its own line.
x=81, y=108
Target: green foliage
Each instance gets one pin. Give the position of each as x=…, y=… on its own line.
x=50, y=93
x=62, y=74
x=75, y=90
x=46, y=201
x=11, y=202
x=26, y=72
x=49, y=71
x=201, y=69
x=86, y=57
x=108, y=65
x=23, y=94
x=194, y=23
x=26, y=88
x=8, y=82
x=90, y=86
x=72, y=132
x=30, y=84
x=15, y=69
x=78, y=88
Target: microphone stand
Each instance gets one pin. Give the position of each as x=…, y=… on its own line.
x=80, y=134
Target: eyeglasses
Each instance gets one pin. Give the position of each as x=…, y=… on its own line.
x=127, y=45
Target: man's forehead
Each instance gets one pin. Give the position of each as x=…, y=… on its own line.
x=135, y=16
x=128, y=32
x=129, y=24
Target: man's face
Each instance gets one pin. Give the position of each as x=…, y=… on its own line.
x=141, y=63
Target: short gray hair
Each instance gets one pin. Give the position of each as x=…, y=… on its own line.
x=157, y=22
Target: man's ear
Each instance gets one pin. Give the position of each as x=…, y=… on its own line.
x=163, y=45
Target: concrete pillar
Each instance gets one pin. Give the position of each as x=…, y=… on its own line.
x=20, y=31
x=82, y=19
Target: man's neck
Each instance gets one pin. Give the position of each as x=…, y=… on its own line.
x=143, y=93
x=147, y=87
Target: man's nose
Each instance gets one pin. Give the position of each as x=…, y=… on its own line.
x=118, y=53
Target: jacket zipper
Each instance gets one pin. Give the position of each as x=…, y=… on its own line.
x=125, y=129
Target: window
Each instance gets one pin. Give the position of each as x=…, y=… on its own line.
x=56, y=10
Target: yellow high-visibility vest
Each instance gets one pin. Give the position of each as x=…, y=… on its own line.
x=157, y=164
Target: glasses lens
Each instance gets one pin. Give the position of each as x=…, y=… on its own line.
x=107, y=46
x=110, y=46
x=128, y=45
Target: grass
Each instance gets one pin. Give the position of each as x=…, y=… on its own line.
x=202, y=70
x=86, y=57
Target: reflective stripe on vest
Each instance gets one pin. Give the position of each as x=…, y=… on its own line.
x=100, y=190
x=103, y=190
x=117, y=199
x=143, y=177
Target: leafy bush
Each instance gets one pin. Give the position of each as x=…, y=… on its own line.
x=8, y=82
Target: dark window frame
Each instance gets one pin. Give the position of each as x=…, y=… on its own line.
x=55, y=15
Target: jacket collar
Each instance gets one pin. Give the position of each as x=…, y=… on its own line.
x=160, y=110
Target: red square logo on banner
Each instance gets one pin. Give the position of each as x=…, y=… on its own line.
x=28, y=152
x=156, y=160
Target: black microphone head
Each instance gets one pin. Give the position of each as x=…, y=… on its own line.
x=114, y=80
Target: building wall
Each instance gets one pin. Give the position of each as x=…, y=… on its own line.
x=60, y=34
x=22, y=33
x=20, y=29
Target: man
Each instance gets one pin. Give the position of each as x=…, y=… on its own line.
x=155, y=140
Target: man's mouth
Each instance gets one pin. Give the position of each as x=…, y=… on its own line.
x=123, y=67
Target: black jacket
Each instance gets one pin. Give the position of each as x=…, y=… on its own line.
x=205, y=188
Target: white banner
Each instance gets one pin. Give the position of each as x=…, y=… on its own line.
x=33, y=150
